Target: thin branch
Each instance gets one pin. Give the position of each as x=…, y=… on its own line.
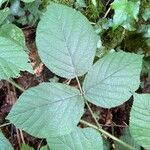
x=18, y=130
x=89, y=108
x=22, y=137
x=68, y=82
x=87, y=103
x=6, y=3
x=107, y=12
x=16, y=85
x=80, y=88
x=5, y=124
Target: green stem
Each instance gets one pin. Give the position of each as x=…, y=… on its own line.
x=107, y=134
x=16, y=85
x=89, y=108
x=6, y=4
x=107, y=12
x=99, y=128
x=80, y=88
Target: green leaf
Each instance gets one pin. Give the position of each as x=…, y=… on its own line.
x=49, y=109
x=126, y=137
x=4, y=14
x=66, y=41
x=4, y=143
x=13, y=57
x=125, y=12
x=113, y=79
x=26, y=147
x=140, y=120
x=13, y=33
x=79, y=139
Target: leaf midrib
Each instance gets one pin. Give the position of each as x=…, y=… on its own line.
x=46, y=104
x=107, y=77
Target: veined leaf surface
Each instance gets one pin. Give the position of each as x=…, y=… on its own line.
x=13, y=57
x=112, y=79
x=140, y=120
x=66, y=41
x=79, y=139
x=48, y=110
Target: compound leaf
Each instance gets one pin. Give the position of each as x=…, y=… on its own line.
x=66, y=41
x=140, y=120
x=125, y=12
x=113, y=79
x=4, y=143
x=79, y=139
x=49, y=109
x=13, y=57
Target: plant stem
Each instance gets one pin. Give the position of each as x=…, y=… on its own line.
x=98, y=127
x=22, y=137
x=21, y=89
x=5, y=124
x=89, y=108
x=87, y=103
x=80, y=88
x=107, y=134
x=18, y=138
x=6, y=4
x=107, y=12
x=16, y=85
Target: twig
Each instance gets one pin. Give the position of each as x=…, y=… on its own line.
x=68, y=82
x=19, y=132
x=22, y=137
x=6, y=4
x=5, y=124
x=16, y=85
x=18, y=138
x=39, y=146
x=80, y=88
x=107, y=12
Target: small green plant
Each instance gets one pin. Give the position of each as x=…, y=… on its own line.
x=67, y=45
